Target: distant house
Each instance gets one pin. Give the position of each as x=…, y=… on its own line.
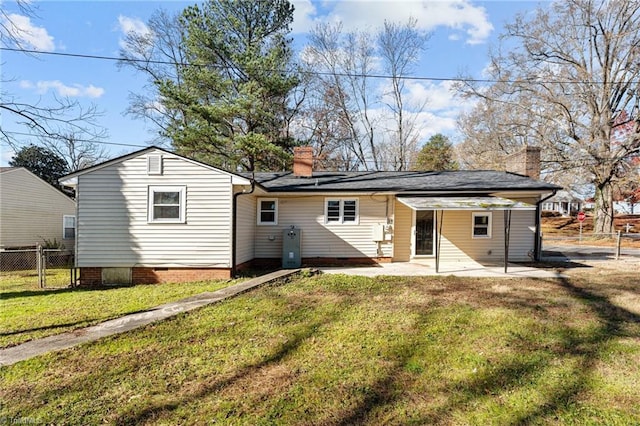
x=154, y=216
x=565, y=203
x=32, y=211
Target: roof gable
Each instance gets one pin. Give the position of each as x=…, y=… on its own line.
x=70, y=179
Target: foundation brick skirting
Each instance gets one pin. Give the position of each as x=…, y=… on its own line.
x=177, y=275
x=141, y=275
x=90, y=276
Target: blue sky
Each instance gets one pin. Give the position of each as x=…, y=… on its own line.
x=462, y=31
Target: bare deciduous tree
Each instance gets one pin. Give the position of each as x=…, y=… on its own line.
x=342, y=64
x=76, y=151
x=159, y=54
x=572, y=69
x=400, y=46
x=48, y=122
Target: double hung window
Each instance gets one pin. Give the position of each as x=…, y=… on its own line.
x=267, y=211
x=341, y=210
x=167, y=204
x=68, y=227
x=481, y=225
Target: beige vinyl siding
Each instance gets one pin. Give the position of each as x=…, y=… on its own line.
x=403, y=224
x=246, y=218
x=320, y=239
x=457, y=244
x=31, y=210
x=521, y=243
x=113, y=228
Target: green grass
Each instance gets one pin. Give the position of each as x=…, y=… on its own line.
x=28, y=312
x=20, y=280
x=340, y=350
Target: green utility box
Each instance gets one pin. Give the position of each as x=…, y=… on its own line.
x=291, y=257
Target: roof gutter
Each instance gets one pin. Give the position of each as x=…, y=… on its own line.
x=537, y=244
x=234, y=224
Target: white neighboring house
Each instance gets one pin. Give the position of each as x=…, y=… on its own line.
x=32, y=211
x=565, y=203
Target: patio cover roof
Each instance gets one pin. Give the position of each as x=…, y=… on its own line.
x=440, y=204
x=464, y=203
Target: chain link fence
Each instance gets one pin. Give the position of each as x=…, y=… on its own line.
x=45, y=268
x=611, y=245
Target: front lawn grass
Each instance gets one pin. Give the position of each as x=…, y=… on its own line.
x=340, y=350
x=28, y=312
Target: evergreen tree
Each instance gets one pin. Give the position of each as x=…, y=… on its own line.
x=42, y=162
x=436, y=154
x=232, y=94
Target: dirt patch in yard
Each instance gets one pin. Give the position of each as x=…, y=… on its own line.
x=570, y=226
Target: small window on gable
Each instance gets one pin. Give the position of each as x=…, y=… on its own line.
x=154, y=164
x=68, y=227
x=341, y=210
x=481, y=225
x=267, y=211
x=167, y=204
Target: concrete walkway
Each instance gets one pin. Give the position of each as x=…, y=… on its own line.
x=129, y=322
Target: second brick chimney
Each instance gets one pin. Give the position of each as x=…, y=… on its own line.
x=303, y=161
x=525, y=162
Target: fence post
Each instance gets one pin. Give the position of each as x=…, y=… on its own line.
x=45, y=260
x=39, y=263
x=618, y=245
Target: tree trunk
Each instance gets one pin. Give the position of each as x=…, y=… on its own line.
x=603, y=221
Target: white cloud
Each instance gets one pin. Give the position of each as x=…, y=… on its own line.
x=427, y=123
x=440, y=106
x=437, y=95
x=128, y=25
x=6, y=155
x=27, y=33
x=459, y=15
x=74, y=91
x=303, y=16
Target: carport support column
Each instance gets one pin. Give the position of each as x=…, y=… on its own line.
x=439, y=239
x=507, y=233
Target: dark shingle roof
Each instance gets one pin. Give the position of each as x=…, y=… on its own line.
x=449, y=181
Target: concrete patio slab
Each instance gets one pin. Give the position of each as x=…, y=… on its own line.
x=467, y=269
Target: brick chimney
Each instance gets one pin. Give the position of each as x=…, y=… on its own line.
x=525, y=162
x=303, y=161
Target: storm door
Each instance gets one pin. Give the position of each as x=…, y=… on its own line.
x=425, y=232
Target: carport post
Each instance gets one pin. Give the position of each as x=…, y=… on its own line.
x=439, y=239
x=507, y=232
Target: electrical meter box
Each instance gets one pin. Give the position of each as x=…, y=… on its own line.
x=291, y=257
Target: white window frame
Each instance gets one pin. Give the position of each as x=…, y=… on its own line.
x=275, y=211
x=341, y=220
x=182, y=190
x=65, y=227
x=473, y=225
